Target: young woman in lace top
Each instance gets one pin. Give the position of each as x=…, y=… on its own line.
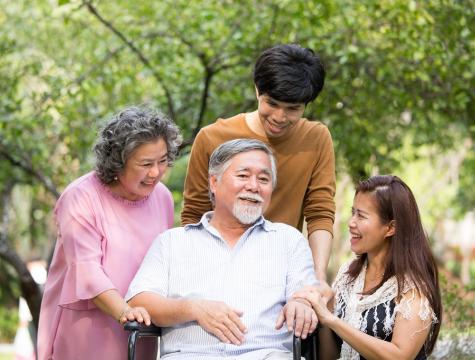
x=387, y=301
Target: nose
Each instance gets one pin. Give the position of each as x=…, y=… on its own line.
x=351, y=222
x=279, y=115
x=154, y=171
x=252, y=184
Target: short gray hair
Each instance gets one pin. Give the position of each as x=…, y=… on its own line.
x=222, y=155
x=125, y=132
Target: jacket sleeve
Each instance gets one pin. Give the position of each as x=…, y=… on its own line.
x=195, y=196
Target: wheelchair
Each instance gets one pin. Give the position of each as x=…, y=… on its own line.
x=306, y=348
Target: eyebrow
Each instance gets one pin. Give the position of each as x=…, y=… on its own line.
x=265, y=170
x=359, y=211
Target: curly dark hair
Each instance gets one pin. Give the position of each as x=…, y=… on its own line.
x=125, y=132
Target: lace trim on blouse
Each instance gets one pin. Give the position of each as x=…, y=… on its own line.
x=350, y=306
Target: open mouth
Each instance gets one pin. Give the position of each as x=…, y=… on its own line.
x=275, y=127
x=148, y=183
x=254, y=200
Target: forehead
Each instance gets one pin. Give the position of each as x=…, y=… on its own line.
x=150, y=149
x=366, y=202
x=254, y=160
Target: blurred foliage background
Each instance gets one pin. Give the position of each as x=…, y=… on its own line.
x=399, y=98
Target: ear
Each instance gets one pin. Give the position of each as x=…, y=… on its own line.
x=213, y=180
x=391, y=228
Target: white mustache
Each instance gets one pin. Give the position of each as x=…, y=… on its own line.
x=251, y=197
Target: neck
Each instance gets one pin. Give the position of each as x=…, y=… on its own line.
x=252, y=120
x=230, y=231
x=376, y=264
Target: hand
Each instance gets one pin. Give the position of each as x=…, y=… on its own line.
x=318, y=301
x=220, y=320
x=134, y=313
x=323, y=288
x=300, y=314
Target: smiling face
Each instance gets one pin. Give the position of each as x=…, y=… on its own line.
x=277, y=117
x=142, y=171
x=368, y=233
x=243, y=191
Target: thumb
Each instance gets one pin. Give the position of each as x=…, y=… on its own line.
x=280, y=320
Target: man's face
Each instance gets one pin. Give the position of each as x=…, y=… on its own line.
x=278, y=117
x=243, y=191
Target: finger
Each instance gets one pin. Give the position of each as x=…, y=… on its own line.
x=290, y=316
x=228, y=333
x=280, y=320
x=307, y=323
x=299, y=316
x=146, y=317
x=237, y=322
x=134, y=314
x=219, y=334
x=314, y=323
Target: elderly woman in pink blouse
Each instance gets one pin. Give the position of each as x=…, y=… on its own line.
x=106, y=222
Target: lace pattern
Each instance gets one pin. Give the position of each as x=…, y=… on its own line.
x=350, y=306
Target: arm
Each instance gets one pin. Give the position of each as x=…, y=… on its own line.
x=320, y=242
x=86, y=279
x=298, y=313
x=215, y=317
x=114, y=305
x=195, y=194
x=319, y=203
x=149, y=289
x=409, y=334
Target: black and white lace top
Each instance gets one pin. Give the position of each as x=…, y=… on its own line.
x=374, y=314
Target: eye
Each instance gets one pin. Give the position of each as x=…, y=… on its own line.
x=164, y=161
x=264, y=179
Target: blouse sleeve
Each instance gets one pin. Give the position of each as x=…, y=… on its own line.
x=83, y=246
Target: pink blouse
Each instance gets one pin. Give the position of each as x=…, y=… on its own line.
x=101, y=242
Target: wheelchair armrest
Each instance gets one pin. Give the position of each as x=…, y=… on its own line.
x=297, y=348
x=142, y=329
x=138, y=330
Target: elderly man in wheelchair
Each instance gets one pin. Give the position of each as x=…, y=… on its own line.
x=222, y=288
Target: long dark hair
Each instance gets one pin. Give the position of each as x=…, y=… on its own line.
x=409, y=255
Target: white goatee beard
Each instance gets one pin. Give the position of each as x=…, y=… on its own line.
x=246, y=214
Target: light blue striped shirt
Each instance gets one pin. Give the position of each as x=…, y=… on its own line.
x=258, y=275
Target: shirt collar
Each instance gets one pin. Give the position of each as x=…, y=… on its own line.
x=204, y=222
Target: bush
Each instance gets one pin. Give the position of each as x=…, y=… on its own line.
x=8, y=324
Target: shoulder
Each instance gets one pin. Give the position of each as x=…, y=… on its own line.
x=314, y=127
x=83, y=188
x=223, y=129
x=413, y=303
x=285, y=233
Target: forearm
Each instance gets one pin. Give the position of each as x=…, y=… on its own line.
x=320, y=242
x=163, y=311
x=111, y=303
x=366, y=345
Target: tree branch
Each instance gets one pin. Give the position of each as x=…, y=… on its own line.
x=26, y=166
x=30, y=290
x=136, y=51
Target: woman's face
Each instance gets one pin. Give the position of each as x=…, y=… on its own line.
x=368, y=233
x=142, y=171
